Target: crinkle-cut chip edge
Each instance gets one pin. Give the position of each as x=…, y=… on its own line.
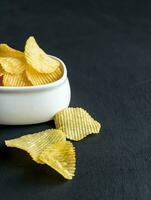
x=54, y=135
x=13, y=65
x=81, y=136
x=77, y=135
x=1, y=80
x=69, y=150
x=15, y=80
x=7, y=51
x=37, y=78
x=1, y=71
x=38, y=59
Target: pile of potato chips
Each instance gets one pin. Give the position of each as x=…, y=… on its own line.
x=31, y=67
x=51, y=147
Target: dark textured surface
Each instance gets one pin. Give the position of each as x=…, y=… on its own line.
x=106, y=46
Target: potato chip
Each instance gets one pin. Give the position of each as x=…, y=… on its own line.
x=37, y=78
x=13, y=65
x=6, y=51
x=1, y=81
x=15, y=80
x=1, y=76
x=38, y=59
x=35, y=143
x=1, y=71
x=61, y=157
x=76, y=123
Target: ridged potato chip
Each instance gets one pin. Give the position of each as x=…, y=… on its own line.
x=1, y=71
x=15, y=80
x=37, y=78
x=76, y=123
x=35, y=143
x=38, y=59
x=61, y=157
x=6, y=51
x=13, y=65
x=1, y=81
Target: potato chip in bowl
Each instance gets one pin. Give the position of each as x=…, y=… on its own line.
x=29, y=92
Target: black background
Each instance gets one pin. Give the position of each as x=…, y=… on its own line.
x=106, y=46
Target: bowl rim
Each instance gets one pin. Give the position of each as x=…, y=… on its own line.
x=37, y=87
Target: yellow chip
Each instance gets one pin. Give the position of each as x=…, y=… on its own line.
x=38, y=59
x=1, y=71
x=15, y=80
x=13, y=65
x=35, y=143
x=37, y=78
x=76, y=123
x=61, y=157
x=6, y=51
x=1, y=81
x=1, y=76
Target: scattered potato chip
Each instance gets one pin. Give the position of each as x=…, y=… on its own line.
x=13, y=65
x=37, y=78
x=38, y=59
x=35, y=143
x=15, y=80
x=76, y=123
x=6, y=51
x=61, y=157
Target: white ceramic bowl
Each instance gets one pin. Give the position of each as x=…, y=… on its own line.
x=34, y=104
